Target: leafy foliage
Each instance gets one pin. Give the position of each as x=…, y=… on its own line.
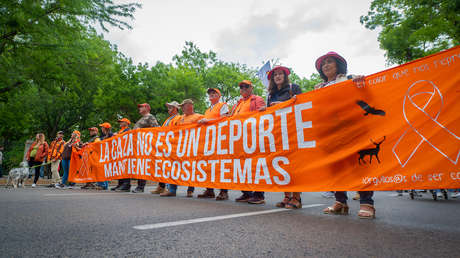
x=414, y=28
x=57, y=73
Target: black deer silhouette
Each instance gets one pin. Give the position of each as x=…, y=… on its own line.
x=370, y=152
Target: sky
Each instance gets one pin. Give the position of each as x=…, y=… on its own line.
x=296, y=32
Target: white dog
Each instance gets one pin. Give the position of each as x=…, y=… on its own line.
x=18, y=176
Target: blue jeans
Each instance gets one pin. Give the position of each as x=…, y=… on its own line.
x=104, y=184
x=365, y=197
x=173, y=188
x=65, y=165
x=42, y=171
x=254, y=194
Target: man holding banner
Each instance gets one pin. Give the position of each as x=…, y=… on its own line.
x=124, y=185
x=173, y=111
x=247, y=103
x=189, y=117
x=215, y=111
x=147, y=120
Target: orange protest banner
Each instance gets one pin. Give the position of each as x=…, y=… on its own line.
x=401, y=130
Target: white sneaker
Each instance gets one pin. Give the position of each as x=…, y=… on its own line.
x=34, y=185
x=440, y=195
x=455, y=195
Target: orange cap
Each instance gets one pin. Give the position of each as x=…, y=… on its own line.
x=214, y=89
x=77, y=132
x=144, y=105
x=105, y=125
x=245, y=82
x=125, y=120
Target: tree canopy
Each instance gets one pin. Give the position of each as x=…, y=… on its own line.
x=57, y=73
x=411, y=29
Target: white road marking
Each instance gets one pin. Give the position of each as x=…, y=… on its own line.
x=206, y=219
x=84, y=194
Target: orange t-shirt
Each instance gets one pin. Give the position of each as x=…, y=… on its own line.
x=190, y=119
x=122, y=130
x=243, y=107
x=172, y=121
x=214, y=111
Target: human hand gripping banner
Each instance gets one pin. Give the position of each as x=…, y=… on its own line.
x=399, y=131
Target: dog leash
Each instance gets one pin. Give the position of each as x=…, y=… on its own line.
x=44, y=164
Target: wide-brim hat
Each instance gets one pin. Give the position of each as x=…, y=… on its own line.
x=173, y=104
x=186, y=101
x=282, y=68
x=320, y=59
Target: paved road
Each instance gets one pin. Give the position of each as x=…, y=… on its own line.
x=76, y=223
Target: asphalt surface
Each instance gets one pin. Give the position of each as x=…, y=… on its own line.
x=47, y=222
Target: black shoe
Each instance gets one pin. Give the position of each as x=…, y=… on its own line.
x=138, y=190
x=123, y=189
x=115, y=188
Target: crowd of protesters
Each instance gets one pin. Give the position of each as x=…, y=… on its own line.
x=332, y=68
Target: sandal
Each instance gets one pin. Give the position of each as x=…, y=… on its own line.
x=283, y=203
x=292, y=205
x=366, y=211
x=338, y=208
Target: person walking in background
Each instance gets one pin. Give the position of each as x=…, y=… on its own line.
x=217, y=110
x=1, y=161
x=36, y=155
x=55, y=156
x=247, y=103
x=173, y=111
x=147, y=120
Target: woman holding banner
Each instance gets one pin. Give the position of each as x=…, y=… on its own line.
x=281, y=89
x=333, y=69
x=72, y=145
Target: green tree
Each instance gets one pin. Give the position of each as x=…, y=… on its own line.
x=411, y=29
x=36, y=26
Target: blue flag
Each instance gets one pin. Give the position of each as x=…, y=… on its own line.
x=263, y=72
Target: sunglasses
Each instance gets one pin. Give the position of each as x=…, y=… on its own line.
x=244, y=86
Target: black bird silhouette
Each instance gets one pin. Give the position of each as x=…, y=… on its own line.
x=369, y=109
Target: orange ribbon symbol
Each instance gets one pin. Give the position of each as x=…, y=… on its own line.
x=421, y=108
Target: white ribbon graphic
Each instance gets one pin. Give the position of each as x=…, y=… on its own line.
x=424, y=126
